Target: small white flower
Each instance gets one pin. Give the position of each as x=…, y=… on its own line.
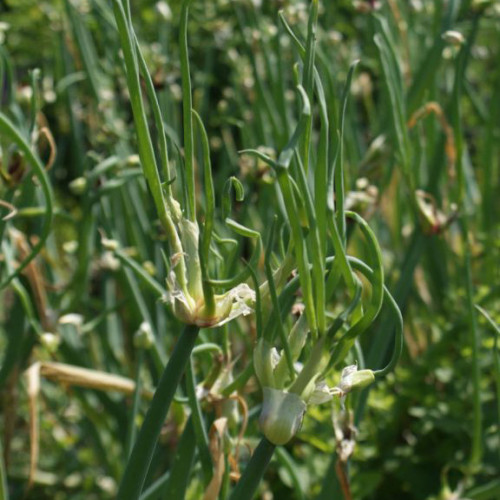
x=71, y=319
x=453, y=37
x=322, y=394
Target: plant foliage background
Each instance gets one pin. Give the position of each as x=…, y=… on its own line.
x=421, y=164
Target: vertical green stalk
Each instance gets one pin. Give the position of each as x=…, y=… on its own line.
x=178, y=480
x=282, y=171
x=377, y=282
x=206, y=234
x=254, y=471
x=4, y=490
x=394, y=84
x=146, y=152
x=286, y=461
x=299, y=247
x=339, y=168
x=282, y=167
x=307, y=80
x=198, y=425
x=275, y=302
x=142, y=453
x=496, y=363
x=461, y=64
x=132, y=431
x=314, y=246
x=316, y=210
x=477, y=441
x=187, y=105
x=160, y=128
x=324, y=209
x=321, y=172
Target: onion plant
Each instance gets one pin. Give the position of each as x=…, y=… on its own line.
x=190, y=291
x=307, y=183
x=213, y=217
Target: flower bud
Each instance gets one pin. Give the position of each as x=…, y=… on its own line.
x=109, y=244
x=432, y=219
x=281, y=416
x=78, y=186
x=143, y=338
x=50, y=341
x=133, y=161
x=72, y=319
x=454, y=38
x=352, y=378
x=164, y=11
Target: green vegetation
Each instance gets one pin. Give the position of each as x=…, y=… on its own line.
x=249, y=248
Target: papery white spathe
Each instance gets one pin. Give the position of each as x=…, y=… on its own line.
x=228, y=306
x=281, y=415
x=188, y=301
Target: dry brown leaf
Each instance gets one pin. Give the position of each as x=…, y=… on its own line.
x=33, y=382
x=217, y=438
x=85, y=377
x=45, y=133
x=67, y=375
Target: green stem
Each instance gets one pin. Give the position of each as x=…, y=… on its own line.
x=198, y=425
x=311, y=368
x=396, y=313
x=338, y=171
x=300, y=249
x=286, y=461
x=146, y=151
x=154, y=491
x=275, y=302
x=249, y=482
x=477, y=442
x=4, y=491
x=377, y=294
x=240, y=381
x=496, y=362
x=142, y=453
x=132, y=431
x=206, y=235
x=187, y=105
x=180, y=472
x=307, y=81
